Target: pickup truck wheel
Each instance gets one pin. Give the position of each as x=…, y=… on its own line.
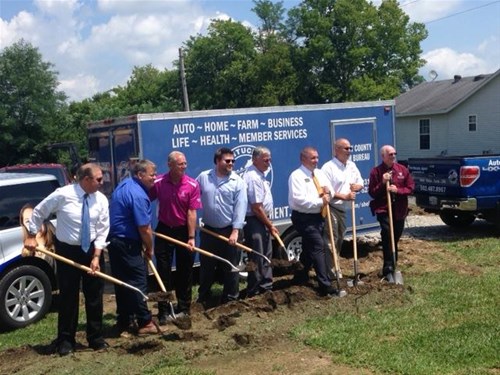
x=293, y=245
x=25, y=295
x=457, y=219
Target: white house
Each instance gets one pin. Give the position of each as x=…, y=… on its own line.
x=459, y=116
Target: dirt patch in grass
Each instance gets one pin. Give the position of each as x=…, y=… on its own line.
x=249, y=336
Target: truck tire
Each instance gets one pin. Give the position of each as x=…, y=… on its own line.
x=25, y=295
x=457, y=219
x=293, y=245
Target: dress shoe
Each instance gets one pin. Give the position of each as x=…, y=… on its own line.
x=162, y=319
x=149, y=329
x=387, y=271
x=64, y=348
x=300, y=280
x=99, y=345
x=181, y=315
x=331, y=292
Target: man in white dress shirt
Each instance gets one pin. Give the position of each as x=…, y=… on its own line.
x=67, y=204
x=306, y=203
x=346, y=181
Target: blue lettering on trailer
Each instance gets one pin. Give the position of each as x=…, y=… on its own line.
x=114, y=144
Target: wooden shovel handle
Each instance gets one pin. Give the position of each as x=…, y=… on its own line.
x=354, y=241
x=80, y=266
x=332, y=240
x=180, y=243
x=280, y=241
x=157, y=275
x=197, y=249
x=391, y=223
x=221, y=237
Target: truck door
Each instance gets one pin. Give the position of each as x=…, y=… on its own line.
x=362, y=135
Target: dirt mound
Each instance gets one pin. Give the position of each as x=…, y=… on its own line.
x=215, y=337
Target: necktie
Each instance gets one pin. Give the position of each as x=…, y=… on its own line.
x=85, y=224
x=320, y=191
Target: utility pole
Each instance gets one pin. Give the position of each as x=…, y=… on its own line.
x=183, y=80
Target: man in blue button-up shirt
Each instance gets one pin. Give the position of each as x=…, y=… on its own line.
x=224, y=200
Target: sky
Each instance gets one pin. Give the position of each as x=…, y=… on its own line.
x=95, y=44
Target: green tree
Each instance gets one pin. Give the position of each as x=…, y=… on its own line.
x=275, y=79
x=30, y=104
x=271, y=16
x=351, y=50
x=219, y=70
x=151, y=90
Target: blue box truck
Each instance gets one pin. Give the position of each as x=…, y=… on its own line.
x=115, y=143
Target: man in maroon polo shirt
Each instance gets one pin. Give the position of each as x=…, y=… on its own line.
x=178, y=198
x=400, y=186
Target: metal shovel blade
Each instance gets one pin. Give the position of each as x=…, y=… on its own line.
x=390, y=278
x=398, y=277
x=341, y=293
x=395, y=278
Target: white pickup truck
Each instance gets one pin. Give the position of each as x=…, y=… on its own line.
x=26, y=283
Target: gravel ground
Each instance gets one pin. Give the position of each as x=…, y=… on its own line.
x=431, y=227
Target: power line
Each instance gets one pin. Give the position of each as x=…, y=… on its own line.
x=409, y=2
x=462, y=12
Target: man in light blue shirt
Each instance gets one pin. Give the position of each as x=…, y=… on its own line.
x=224, y=200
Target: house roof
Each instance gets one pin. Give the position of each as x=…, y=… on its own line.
x=438, y=97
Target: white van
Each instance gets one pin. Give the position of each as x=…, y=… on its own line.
x=26, y=283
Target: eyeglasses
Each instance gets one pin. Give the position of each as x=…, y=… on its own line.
x=349, y=148
x=393, y=154
x=229, y=161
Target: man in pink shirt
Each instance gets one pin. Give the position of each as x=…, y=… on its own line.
x=178, y=198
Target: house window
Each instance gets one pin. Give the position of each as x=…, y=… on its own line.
x=425, y=134
x=472, y=123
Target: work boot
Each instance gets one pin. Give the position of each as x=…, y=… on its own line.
x=149, y=329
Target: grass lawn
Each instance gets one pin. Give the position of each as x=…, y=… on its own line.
x=448, y=322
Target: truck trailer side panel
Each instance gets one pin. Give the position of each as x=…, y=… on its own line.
x=284, y=130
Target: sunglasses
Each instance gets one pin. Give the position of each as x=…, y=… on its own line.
x=229, y=161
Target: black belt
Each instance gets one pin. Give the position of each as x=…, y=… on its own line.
x=304, y=213
x=162, y=224
x=125, y=240
x=216, y=229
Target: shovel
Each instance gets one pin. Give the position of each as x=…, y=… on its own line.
x=280, y=241
x=356, y=280
x=237, y=244
x=325, y=212
x=160, y=282
x=201, y=251
x=182, y=323
x=340, y=293
x=88, y=269
x=282, y=245
x=157, y=275
x=396, y=277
